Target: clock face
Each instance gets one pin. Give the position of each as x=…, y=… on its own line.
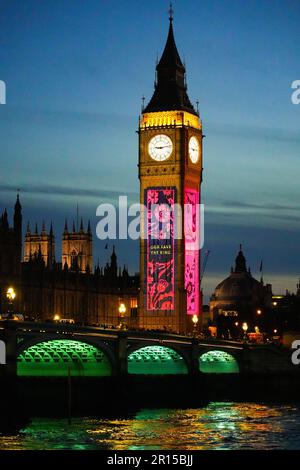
x=194, y=149
x=160, y=147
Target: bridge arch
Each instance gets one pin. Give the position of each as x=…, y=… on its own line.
x=56, y=357
x=218, y=362
x=156, y=360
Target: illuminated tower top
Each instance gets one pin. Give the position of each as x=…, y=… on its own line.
x=170, y=91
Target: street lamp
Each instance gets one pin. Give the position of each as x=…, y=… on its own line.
x=10, y=295
x=245, y=329
x=122, y=311
x=56, y=317
x=258, y=312
x=195, y=320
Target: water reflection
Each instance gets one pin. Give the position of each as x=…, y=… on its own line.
x=216, y=426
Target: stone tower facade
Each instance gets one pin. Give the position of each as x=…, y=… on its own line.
x=77, y=248
x=170, y=172
x=40, y=245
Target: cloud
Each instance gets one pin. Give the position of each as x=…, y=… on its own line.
x=53, y=190
x=259, y=214
x=251, y=132
x=43, y=116
x=264, y=206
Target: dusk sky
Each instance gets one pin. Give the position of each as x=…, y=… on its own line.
x=75, y=73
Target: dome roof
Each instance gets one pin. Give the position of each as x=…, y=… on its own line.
x=237, y=286
x=240, y=284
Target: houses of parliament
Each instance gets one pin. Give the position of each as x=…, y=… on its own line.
x=71, y=288
x=167, y=295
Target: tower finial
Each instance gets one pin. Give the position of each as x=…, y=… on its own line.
x=241, y=247
x=143, y=103
x=170, y=92
x=171, y=12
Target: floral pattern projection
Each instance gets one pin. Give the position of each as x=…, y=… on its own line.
x=192, y=252
x=160, y=260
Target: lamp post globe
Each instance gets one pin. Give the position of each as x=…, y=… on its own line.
x=195, y=320
x=245, y=329
x=10, y=295
x=122, y=312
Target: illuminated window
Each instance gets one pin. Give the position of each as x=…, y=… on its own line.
x=156, y=360
x=218, y=362
x=74, y=258
x=133, y=308
x=57, y=357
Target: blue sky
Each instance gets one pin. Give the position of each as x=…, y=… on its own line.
x=75, y=73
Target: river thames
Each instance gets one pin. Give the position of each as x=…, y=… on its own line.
x=217, y=426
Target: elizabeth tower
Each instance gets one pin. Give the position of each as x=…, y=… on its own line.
x=170, y=172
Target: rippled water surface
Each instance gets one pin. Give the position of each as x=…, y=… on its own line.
x=216, y=426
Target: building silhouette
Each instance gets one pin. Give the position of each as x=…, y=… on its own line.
x=10, y=253
x=70, y=288
x=239, y=297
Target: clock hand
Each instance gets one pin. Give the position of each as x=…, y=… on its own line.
x=163, y=147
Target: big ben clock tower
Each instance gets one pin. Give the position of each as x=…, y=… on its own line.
x=170, y=172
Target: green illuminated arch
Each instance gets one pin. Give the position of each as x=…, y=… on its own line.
x=218, y=362
x=156, y=360
x=55, y=358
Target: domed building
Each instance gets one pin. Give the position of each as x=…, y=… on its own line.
x=239, y=298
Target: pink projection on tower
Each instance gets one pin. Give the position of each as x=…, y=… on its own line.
x=192, y=252
x=160, y=259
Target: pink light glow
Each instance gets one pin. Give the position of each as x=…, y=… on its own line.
x=160, y=260
x=192, y=253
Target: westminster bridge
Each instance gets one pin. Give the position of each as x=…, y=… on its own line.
x=57, y=350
